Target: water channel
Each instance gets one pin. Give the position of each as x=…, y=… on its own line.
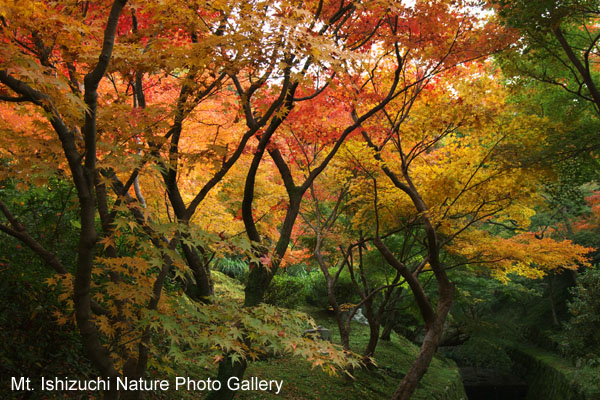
x=492, y=384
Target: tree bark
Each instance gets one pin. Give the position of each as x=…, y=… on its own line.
x=583, y=70
x=551, y=297
x=372, y=345
x=343, y=328
x=227, y=370
x=391, y=319
x=386, y=335
x=97, y=352
x=430, y=344
x=204, y=287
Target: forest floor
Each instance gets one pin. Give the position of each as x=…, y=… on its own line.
x=393, y=359
x=301, y=382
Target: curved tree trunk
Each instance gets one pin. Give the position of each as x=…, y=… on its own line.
x=433, y=335
x=386, y=335
x=372, y=345
x=374, y=322
x=339, y=318
x=204, y=287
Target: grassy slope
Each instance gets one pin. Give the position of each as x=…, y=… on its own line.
x=393, y=358
x=300, y=382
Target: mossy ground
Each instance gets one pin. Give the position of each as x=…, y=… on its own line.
x=393, y=359
x=301, y=382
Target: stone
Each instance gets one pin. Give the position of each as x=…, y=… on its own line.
x=319, y=333
x=360, y=318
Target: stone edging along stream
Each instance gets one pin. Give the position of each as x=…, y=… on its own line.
x=549, y=376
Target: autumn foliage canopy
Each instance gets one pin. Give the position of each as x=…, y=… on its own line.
x=270, y=131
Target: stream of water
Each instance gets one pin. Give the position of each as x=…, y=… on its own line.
x=490, y=384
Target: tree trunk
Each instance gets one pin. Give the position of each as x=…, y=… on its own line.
x=204, y=288
x=342, y=327
x=373, y=340
x=430, y=344
x=408, y=385
x=386, y=335
x=551, y=297
x=374, y=322
x=130, y=371
x=344, y=335
x=339, y=317
x=227, y=370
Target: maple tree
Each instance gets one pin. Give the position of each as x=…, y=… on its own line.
x=445, y=180
x=109, y=144
x=408, y=57
x=339, y=246
x=416, y=64
x=564, y=35
x=553, y=70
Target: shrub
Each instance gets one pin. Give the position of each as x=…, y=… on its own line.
x=480, y=352
x=316, y=293
x=580, y=338
x=32, y=343
x=286, y=291
x=232, y=267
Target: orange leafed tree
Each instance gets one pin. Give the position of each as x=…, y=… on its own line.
x=454, y=175
x=117, y=95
